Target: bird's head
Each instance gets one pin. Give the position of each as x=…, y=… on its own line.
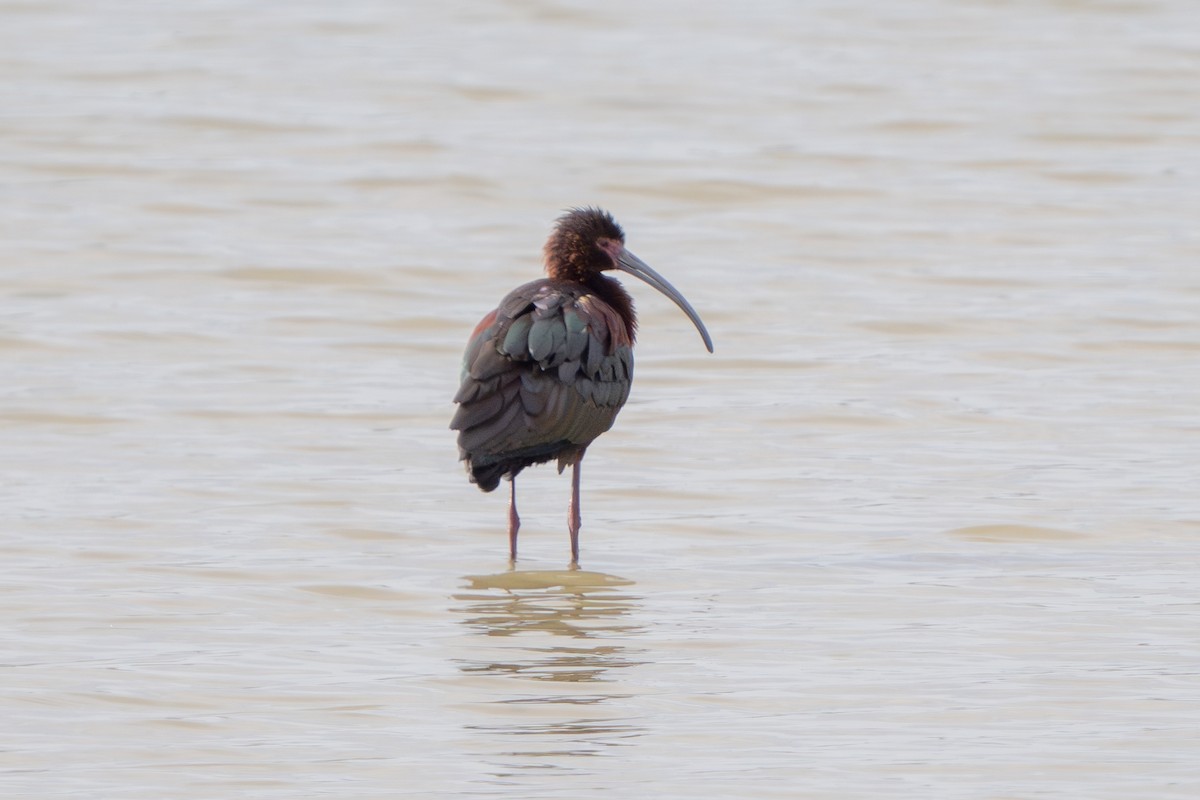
x=585, y=241
x=588, y=241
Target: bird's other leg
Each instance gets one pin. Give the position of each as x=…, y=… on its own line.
x=574, y=519
x=514, y=520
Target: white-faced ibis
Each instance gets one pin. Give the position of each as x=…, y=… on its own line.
x=548, y=370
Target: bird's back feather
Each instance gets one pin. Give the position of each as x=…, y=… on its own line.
x=543, y=375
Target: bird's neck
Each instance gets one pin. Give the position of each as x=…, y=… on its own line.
x=613, y=293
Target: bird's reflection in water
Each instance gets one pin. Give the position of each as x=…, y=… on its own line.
x=589, y=608
x=567, y=630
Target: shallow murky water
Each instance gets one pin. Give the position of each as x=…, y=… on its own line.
x=924, y=526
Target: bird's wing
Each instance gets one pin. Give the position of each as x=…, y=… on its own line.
x=548, y=369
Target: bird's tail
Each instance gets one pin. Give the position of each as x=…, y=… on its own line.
x=486, y=476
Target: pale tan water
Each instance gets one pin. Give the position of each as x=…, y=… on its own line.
x=926, y=525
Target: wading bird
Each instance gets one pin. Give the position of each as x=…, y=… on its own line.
x=547, y=371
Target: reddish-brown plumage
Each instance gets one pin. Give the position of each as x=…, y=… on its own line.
x=548, y=370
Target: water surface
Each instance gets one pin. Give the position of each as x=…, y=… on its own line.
x=924, y=526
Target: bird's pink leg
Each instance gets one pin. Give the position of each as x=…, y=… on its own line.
x=514, y=521
x=574, y=519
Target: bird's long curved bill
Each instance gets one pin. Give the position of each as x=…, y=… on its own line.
x=630, y=263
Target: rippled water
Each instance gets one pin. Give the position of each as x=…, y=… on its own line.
x=924, y=526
